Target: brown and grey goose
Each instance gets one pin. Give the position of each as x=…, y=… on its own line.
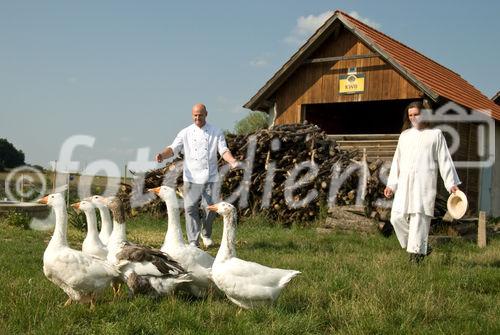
x=148, y=270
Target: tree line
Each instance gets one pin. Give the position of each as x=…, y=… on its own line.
x=10, y=156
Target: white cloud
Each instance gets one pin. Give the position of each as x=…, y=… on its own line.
x=221, y=100
x=263, y=60
x=237, y=109
x=307, y=25
x=365, y=20
x=259, y=62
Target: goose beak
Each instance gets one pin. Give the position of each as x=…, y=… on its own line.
x=155, y=190
x=44, y=200
x=76, y=205
x=213, y=208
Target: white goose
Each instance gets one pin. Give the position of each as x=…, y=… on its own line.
x=247, y=284
x=79, y=275
x=92, y=244
x=106, y=222
x=191, y=258
x=149, y=271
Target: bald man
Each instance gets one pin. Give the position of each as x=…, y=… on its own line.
x=200, y=143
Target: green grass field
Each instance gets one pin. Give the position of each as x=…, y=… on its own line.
x=350, y=284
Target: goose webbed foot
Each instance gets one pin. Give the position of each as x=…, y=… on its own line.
x=116, y=289
x=92, y=302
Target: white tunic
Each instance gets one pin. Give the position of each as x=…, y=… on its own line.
x=413, y=174
x=200, y=147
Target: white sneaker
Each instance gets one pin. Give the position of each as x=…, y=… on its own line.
x=207, y=241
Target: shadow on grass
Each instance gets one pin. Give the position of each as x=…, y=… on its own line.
x=492, y=264
x=270, y=246
x=296, y=304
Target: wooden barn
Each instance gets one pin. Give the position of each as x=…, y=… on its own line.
x=493, y=200
x=355, y=82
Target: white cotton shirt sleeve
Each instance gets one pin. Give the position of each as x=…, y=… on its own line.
x=221, y=143
x=178, y=143
x=392, y=181
x=445, y=163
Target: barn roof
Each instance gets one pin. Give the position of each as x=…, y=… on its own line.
x=496, y=98
x=432, y=78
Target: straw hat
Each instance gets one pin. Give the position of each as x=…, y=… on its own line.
x=457, y=204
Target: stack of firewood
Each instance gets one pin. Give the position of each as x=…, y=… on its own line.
x=289, y=162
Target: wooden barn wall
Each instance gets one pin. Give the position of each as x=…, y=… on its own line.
x=495, y=189
x=467, y=151
x=319, y=83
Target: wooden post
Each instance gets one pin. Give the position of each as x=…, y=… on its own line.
x=22, y=187
x=67, y=191
x=481, y=230
x=54, y=176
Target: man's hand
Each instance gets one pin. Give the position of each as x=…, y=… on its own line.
x=228, y=157
x=165, y=154
x=234, y=164
x=388, y=192
x=454, y=188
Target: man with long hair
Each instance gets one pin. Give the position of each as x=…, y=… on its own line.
x=420, y=152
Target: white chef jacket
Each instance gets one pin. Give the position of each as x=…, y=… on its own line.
x=200, y=147
x=413, y=174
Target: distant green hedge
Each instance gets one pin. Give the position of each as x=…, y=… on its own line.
x=251, y=123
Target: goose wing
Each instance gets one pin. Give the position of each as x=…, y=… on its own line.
x=148, y=261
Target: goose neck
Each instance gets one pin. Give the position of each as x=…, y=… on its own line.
x=227, y=248
x=107, y=223
x=59, y=237
x=174, y=231
x=119, y=233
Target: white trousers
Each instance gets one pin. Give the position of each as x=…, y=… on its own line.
x=412, y=231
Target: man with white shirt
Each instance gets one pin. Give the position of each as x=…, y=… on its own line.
x=420, y=154
x=200, y=143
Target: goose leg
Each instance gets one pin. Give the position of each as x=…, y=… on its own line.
x=68, y=302
x=92, y=301
x=116, y=288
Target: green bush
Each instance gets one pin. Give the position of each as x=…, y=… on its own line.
x=17, y=219
x=251, y=123
x=77, y=219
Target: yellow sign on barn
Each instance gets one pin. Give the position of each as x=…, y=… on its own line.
x=352, y=83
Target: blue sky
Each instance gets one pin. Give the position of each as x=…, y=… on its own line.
x=128, y=72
